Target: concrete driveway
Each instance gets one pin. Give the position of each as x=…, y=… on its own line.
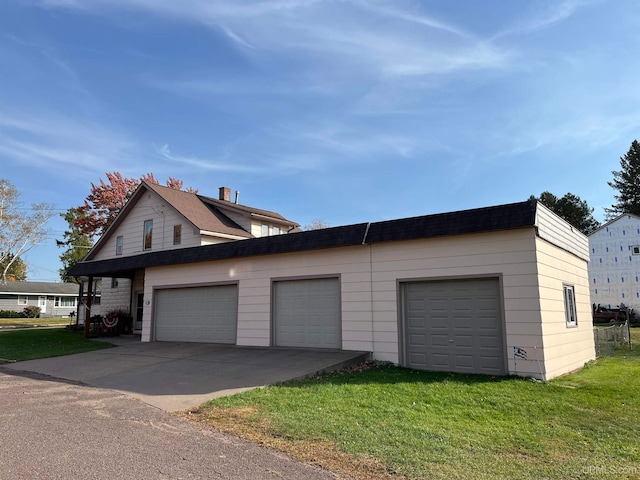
x=177, y=376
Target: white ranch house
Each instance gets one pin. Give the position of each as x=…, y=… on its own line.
x=499, y=290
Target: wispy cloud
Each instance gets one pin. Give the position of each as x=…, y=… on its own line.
x=207, y=164
x=50, y=141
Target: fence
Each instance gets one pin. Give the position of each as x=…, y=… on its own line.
x=608, y=339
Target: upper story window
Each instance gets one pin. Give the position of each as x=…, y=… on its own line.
x=177, y=234
x=148, y=234
x=276, y=230
x=119, y=243
x=265, y=230
x=570, y=305
x=22, y=299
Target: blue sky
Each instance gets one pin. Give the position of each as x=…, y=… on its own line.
x=346, y=111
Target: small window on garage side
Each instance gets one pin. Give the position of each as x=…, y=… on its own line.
x=148, y=234
x=22, y=300
x=119, y=243
x=177, y=234
x=570, y=306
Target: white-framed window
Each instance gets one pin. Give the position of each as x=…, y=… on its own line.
x=570, y=305
x=177, y=234
x=119, y=243
x=148, y=234
x=23, y=299
x=276, y=230
x=265, y=230
x=65, y=302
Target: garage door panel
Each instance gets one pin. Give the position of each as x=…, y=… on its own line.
x=460, y=326
x=197, y=314
x=307, y=313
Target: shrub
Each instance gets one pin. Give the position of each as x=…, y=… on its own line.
x=31, y=311
x=11, y=314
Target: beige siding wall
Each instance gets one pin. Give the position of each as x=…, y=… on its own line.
x=531, y=271
x=149, y=207
x=566, y=348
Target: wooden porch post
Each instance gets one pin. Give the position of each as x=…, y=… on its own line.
x=87, y=308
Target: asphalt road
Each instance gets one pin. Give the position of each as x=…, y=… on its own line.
x=52, y=429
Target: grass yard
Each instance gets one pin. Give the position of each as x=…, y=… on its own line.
x=29, y=322
x=33, y=343
x=390, y=422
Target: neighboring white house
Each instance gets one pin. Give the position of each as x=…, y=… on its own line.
x=54, y=299
x=497, y=290
x=614, y=267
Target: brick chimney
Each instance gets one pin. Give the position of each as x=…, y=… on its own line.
x=225, y=194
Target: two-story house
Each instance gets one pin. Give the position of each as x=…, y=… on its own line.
x=614, y=267
x=158, y=218
x=496, y=290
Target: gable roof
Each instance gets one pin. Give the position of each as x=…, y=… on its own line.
x=203, y=213
x=502, y=217
x=40, y=288
x=610, y=222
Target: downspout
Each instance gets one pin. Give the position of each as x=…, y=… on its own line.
x=364, y=242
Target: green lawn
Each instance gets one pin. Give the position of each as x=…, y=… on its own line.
x=28, y=322
x=33, y=343
x=431, y=425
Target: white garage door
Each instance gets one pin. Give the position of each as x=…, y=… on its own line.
x=453, y=326
x=307, y=313
x=197, y=314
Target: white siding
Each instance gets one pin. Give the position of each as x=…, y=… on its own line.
x=554, y=229
x=149, y=207
x=614, y=272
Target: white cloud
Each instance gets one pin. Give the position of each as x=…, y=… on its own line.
x=217, y=165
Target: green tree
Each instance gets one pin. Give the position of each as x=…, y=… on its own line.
x=16, y=269
x=572, y=208
x=627, y=182
x=77, y=244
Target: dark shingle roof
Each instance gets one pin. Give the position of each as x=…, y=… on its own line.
x=502, y=217
x=40, y=288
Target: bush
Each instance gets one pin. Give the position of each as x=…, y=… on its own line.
x=31, y=311
x=11, y=314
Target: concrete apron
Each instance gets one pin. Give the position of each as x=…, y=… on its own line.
x=177, y=376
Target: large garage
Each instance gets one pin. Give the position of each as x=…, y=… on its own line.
x=453, y=326
x=197, y=314
x=306, y=313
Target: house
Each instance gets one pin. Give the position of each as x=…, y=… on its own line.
x=54, y=299
x=161, y=218
x=614, y=268
x=498, y=290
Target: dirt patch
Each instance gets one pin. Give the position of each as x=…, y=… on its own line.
x=244, y=423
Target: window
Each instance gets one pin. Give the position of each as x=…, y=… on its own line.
x=177, y=234
x=148, y=234
x=635, y=249
x=65, y=302
x=114, y=282
x=276, y=230
x=265, y=230
x=570, y=306
x=22, y=300
x=119, y=241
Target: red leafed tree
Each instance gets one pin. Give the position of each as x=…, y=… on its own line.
x=108, y=198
